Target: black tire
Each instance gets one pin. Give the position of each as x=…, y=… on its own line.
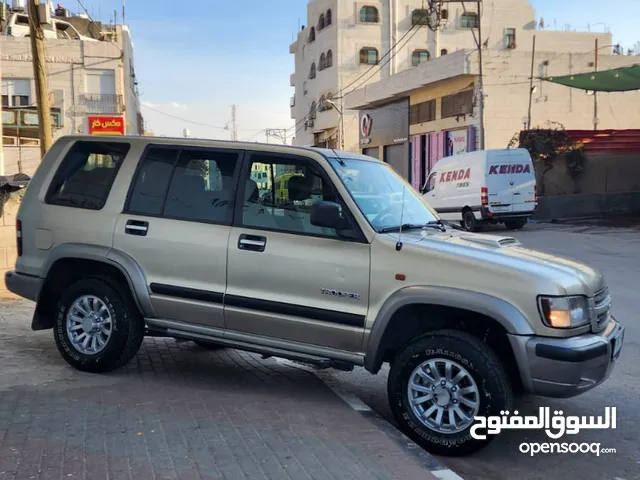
x=127, y=326
x=469, y=222
x=208, y=345
x=483, y=365
x=515, y=224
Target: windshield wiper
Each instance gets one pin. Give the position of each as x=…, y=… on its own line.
x=408, y=226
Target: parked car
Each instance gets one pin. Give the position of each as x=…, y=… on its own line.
x=485, y=186
x=122, y=237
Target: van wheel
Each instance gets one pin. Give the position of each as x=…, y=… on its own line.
x=469, y=222
x=515, y=224
x=98, y=327
x=439, y=383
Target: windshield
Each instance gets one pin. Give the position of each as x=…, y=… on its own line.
x=378, y=190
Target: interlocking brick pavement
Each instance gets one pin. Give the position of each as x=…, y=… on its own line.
x=178, y=411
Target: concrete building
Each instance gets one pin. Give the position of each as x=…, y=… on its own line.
x=91, y=80
x=439, y=104
x=341, y=50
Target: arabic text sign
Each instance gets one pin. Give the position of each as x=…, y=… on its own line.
x=555, y=426
x=106, y=125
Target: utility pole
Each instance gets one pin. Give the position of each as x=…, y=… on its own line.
x=533, y=56
x=595, y=93
x=481, y=106
x=37, y=52
x=234, y=126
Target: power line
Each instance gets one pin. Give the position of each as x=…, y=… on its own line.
x=192, y=121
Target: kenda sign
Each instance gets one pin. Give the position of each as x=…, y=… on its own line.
x=509, y=169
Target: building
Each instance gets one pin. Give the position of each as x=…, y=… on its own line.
x=341, y=50
x=91, y=80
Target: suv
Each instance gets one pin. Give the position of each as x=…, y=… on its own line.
x=122, y=237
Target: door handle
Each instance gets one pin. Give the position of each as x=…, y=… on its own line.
x=516, y=193
x=254, y=243
x=136, y=227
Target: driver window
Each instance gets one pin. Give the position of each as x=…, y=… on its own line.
x=431, y=183
x=280, y=194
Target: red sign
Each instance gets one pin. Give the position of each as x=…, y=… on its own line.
x=454, y=175
x=508, y=169
x=106, y=125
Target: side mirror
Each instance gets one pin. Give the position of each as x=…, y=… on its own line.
x=328, y=215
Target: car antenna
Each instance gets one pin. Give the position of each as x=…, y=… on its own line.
x=399, y=244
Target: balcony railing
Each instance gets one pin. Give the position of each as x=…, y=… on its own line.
x=27, y=118
x=101, y=103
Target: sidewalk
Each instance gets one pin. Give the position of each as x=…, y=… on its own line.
x=179, y=412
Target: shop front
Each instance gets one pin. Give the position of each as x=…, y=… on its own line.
x=384, y=134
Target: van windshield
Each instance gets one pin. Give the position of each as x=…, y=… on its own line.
x=378, y=191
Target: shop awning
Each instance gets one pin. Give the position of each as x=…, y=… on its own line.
x=622, y=79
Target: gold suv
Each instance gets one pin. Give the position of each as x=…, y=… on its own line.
x=122, y=237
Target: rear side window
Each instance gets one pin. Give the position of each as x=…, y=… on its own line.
x=86, y=175
x=190, y=184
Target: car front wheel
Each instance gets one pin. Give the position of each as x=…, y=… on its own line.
x=439, y=383
x=98, y=327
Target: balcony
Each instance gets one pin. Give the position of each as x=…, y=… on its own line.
x=106, y=103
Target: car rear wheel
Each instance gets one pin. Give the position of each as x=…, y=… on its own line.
x=98, y=327
x=515, y=224
x=439, y=383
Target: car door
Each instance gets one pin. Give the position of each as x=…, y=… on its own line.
x=176, y=224
x=288, y=279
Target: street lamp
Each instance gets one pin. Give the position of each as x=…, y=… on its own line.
x=333, y=104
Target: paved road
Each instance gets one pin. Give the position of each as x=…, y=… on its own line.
x=617, y=253
x=180, y=412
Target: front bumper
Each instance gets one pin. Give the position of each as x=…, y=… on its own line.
x=566, y=367
x=25, y=286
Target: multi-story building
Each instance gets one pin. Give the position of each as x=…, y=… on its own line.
x=91, y=81
x=343, y=46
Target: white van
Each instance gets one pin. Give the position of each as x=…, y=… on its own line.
x=485, y=186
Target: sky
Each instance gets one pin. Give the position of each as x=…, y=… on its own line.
x=196, y=59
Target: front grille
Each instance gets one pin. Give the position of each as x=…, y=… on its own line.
x=601, y=309
x=507, y=241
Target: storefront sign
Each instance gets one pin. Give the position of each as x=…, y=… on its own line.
x=456, y=142
x=391, y=123
x=106, y=125
x=365, y=125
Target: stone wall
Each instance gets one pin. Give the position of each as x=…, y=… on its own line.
x=8, y=252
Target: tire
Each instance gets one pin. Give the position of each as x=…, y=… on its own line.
x=469, y=222
x=126, y=331
x=515, y=224
x=494, y=391
x=208, y=345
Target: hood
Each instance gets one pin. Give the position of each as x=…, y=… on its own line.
x=574, y=277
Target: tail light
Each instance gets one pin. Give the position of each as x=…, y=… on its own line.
x=19, y=237
x=484, y=196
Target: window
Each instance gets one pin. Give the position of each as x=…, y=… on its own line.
x=312, y=71
x=191, y=184
x=510, y=38
x=16, y=92
x=419, y=56
x=444, y=14
x=369, y=56
x=100, y=81
x=431, y=183
x=422, y=112
x=369, y=15
x=322, y=63
x=312, y=110
x=329, y=59
x=322, y=103
x=312, y=34
x=321, y=23
x=469, y=20
x=458, y=104
x=443, y=52
x=420, y=17
x=286, y=202
x=86, y=174
x=327, y=18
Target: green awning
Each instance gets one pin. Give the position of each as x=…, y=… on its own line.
x=622, y=79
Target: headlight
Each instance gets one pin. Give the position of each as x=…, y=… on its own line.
x=564, y=312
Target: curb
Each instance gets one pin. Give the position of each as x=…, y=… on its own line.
x=426, y=460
